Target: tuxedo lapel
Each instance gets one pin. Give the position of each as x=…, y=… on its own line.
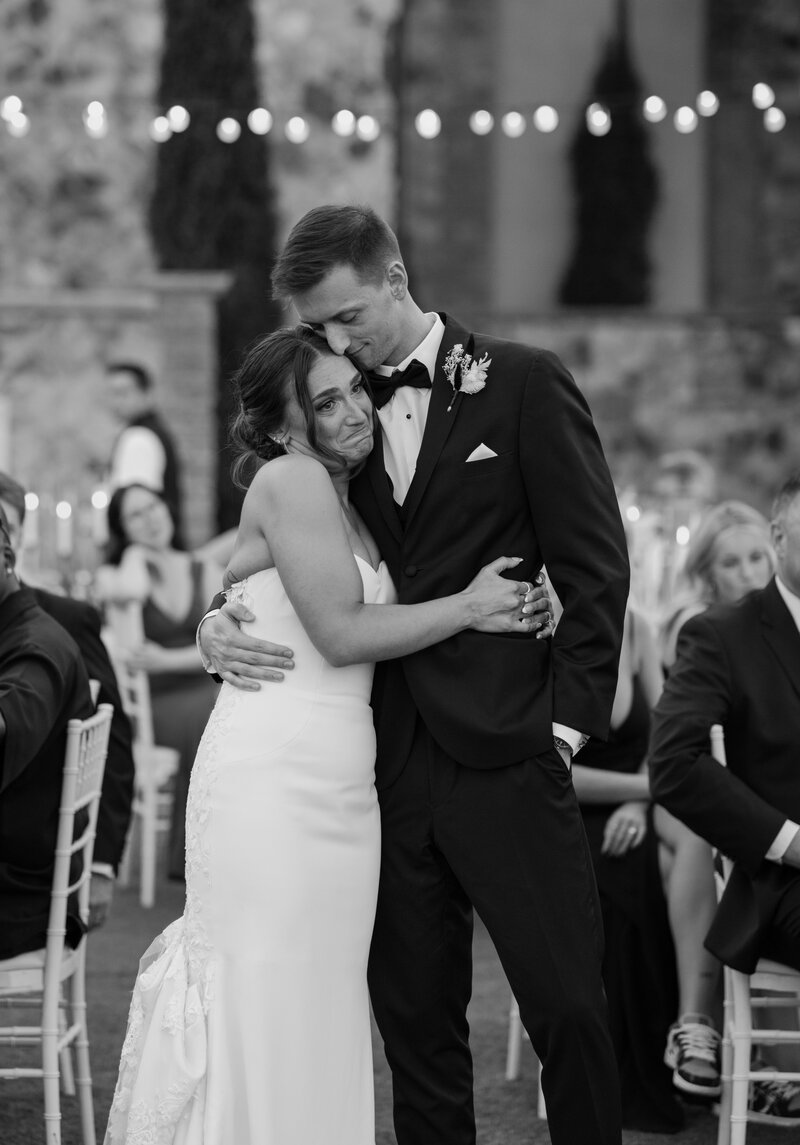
x=440, y=420
x=780, y=633
x=375, y=475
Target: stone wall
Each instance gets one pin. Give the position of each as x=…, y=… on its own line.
x=726, y=388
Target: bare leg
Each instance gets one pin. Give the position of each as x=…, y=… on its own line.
x=687, y=873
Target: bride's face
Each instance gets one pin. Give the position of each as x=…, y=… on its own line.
x=343, y=412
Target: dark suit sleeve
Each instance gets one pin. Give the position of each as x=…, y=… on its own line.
x=82, y=622
x=701, y=690
x=577, y=521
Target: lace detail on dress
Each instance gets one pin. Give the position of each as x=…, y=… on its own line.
x=161, y=1084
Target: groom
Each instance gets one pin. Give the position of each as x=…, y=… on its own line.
x=486, y=447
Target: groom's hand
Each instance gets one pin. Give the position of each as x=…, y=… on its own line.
x=240, y=659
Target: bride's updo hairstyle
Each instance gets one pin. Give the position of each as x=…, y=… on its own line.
x=273, y=368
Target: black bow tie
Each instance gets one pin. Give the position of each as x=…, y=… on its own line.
x=415, y=374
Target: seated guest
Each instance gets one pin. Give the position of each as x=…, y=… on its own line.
x=82, y=622
x=173, y=587
x=611, y=782
x=729, y=554
x=43, y=685
x=739, y=666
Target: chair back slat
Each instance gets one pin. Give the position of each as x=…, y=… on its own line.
x=84, y=764
x=125, y=630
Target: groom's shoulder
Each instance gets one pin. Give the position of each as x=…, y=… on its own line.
x=514, y=352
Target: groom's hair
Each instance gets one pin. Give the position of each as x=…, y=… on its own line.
x=332, y=236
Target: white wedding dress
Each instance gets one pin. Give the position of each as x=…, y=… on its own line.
x=249, y=1023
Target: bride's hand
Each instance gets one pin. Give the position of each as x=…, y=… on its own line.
x=503, y=605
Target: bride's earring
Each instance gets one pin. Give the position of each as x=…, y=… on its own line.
x=281, y=438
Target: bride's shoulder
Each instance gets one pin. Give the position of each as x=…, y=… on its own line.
x=291, y=474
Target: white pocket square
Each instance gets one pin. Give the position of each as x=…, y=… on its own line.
x=481, y=452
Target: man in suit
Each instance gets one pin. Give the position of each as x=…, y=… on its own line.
x=82, y=622
x=488, y=447
x=739, y=666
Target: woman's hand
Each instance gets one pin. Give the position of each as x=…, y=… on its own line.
x=502, y=605
x=625, y=828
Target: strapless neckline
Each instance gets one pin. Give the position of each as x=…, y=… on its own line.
x=237, y=585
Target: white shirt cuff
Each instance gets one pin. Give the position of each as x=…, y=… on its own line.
x=105, y=870
x=780, y=844
x=209, y=667
x=576, y=740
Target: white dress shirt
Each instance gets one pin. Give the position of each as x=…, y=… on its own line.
x=404, y=415
x=780, y=843
x=139, y=457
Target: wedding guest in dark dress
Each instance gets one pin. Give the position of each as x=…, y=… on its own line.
x=43, y=685
x=639, y=964
x=82, y=621
x=172, y=587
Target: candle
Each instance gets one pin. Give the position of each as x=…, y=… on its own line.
x=63, y=529
x=99, y=522
x=30, y=528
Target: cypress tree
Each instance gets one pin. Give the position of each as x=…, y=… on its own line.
x=615, y=187
x=212, y=207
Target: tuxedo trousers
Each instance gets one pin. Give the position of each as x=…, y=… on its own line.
x=508, y=842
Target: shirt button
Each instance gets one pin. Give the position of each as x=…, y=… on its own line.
x=408, y=417
x=410, y=570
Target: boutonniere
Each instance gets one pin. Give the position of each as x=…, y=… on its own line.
x=464, y=374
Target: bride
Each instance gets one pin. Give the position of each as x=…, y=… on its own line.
x=249, y=1022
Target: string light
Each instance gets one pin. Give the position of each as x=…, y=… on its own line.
x=428, y=123
x=343, y=123
x=18, y=125
x=763, y=96
x=654, y=109
x=229, y=129
x=297, y=129
x=481, y=122
x=707, y=103
x=367, y=128
x=598, y=119
x=178, y=118
x=259, y=121
x=11, y=106
x=513, y=124
x=545, y=119
x=95, y=121
x=774, y=119
x=160, y=130
x=685, y=119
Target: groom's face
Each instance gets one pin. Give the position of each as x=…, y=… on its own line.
x=362, y=319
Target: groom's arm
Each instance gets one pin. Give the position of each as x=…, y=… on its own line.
x=234, y=656
x=582, y=542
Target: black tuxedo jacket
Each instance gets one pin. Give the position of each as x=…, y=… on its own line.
x=82, y=622
x=546, y=497
x=739, y=667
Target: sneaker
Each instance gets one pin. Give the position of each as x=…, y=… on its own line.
x=692, y=1053
x=773, y=1102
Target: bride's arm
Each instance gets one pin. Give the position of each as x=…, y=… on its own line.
x=299, y=513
